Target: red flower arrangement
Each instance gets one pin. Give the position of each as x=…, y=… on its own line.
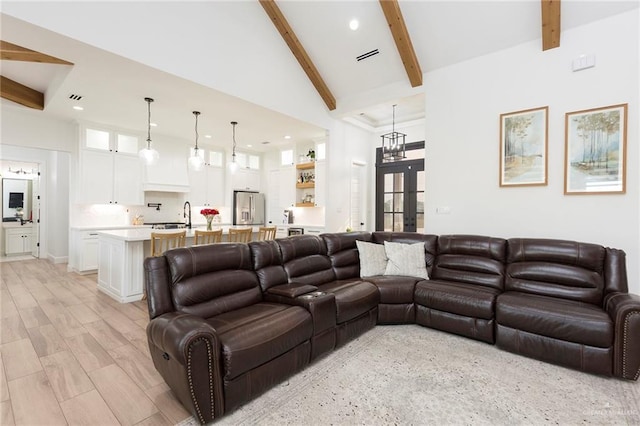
x=209, y=214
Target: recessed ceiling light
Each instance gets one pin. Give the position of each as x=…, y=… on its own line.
x=354, y=24
x=249, y=146
x=153, y=124
x=78, y=108
x=207, y=136
x=287, y=137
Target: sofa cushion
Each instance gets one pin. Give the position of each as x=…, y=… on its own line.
x=471, y=259
x=406, y=260
x=353, y=297
x=256, y=334
x=373, y=259
x=468, y=300
x=556, y=268
x=342, y=250
x=395, y=289
x=557, y=318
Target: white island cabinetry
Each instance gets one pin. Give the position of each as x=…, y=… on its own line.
x=120, y=268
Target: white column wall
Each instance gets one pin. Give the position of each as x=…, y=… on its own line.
x=463, y=104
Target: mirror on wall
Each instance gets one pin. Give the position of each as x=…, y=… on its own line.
x=16, y=199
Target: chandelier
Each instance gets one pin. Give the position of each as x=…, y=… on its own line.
x=393, y=143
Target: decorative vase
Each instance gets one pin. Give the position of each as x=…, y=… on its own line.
x=209, y=220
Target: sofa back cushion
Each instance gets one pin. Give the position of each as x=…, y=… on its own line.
x=267, y=262
x=557, y=268
x=305, y=260
x=212, y=279
x=471, y=259
x=343, y=253
x=430, y=243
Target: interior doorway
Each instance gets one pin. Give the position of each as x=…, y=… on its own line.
x=20, y=233
x=400, y=187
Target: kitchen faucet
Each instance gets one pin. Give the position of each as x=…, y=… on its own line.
x=184, y=213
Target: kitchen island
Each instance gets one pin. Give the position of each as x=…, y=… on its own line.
x=121, y=253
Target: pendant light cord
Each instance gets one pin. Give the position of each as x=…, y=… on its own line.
x=196, y=113
x=149, y=100
x=233, y=154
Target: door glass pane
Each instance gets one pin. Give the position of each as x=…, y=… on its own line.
x=420, y=180
x=394, y=182
x=420, y=223
x=420, y=202
x=388, y=222
x=398, y=222
x=388, y=202
x=398, y=202
x=97, y=139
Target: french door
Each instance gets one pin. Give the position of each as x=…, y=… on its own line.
x=400, y=193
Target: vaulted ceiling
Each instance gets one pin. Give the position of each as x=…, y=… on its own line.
x=209, y=40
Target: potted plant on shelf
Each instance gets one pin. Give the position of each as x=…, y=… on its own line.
x=311, y=155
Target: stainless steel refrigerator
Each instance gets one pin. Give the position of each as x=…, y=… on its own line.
x=248, y=208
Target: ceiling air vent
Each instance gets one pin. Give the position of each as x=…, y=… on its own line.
x=367, y=55
x=75, y=97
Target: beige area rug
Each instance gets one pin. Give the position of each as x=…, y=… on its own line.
x=414, y=375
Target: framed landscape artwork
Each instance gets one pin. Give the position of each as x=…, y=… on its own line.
x=595, y=151
x=523, y=147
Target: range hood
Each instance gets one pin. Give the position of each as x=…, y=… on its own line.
x=162, y=187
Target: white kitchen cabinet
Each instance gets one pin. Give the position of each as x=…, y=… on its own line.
x=120, y=268
x=170, y=173
x=207, y=187
x=246, y=180
x=18, y=240
x=287, y=190
x=282, y=231
x=313, y=230
x=108, y=177
x=83, y=251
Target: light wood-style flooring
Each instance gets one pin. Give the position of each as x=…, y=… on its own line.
x=72, y=355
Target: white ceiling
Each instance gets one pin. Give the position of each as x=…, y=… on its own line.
x=114, y=87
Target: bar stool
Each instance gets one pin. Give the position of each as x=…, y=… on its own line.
x=163, y=241
x=240, y=235
x=207, y=237
x=266, y=233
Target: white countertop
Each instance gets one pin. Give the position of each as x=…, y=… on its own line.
x=144, y=234
x=105, y=227
x=16, y=225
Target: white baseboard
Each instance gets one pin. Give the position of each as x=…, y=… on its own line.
x=61, y=259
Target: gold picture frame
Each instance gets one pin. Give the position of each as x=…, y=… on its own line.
x=523, y=147
x=596, y=151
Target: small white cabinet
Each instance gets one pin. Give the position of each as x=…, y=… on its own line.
x=110, y=171
x=18, y=240
x=206, y=187
x=246, y=180
x=83, y=251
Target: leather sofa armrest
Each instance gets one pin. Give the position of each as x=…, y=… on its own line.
x=291, y=290
x=186, y=352
x=624, y=310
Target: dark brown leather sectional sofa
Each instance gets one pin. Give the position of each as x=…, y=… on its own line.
x=228, y=321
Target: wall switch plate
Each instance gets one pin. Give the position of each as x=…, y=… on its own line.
x=443, y=210
x=583, y=62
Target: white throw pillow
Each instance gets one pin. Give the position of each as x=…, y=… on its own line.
x=406, y=260
x=373, y=259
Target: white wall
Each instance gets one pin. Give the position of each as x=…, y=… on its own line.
x=463, y=104
x=30, y=128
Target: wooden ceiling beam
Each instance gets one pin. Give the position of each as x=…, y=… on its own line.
x=21, y=94
x=283, y=27
x=13, y=52
x=550, y=24
x=393, y=14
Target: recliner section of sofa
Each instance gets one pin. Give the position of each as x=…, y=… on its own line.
x=228, y=321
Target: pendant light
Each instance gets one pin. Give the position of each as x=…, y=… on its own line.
x=233, y=166
x=196, y=161
x=149, y=155
x=393, y=143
